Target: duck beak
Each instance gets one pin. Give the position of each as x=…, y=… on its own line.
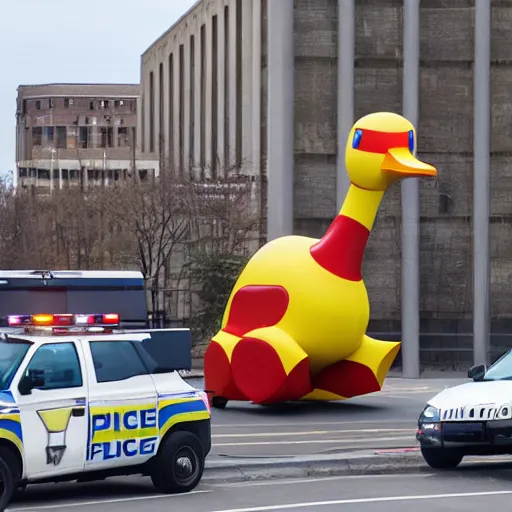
x=401, y=163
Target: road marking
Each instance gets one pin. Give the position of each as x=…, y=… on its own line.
x=320, y=441
x=324, y=479
x=106, y=502
x=366, y=500
x=310, y=423
x=317, y=432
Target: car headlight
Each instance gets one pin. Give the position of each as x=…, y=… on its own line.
x=430, y=414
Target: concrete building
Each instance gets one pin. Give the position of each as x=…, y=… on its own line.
x=275, y=85
x=77, y=134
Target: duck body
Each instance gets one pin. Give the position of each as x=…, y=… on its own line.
x=294, y=325
x=327, y=330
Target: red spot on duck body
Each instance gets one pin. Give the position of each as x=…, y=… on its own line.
x=254, y=307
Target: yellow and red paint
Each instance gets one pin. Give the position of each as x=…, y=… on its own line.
x=294, y=326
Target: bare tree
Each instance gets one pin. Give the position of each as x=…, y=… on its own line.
x=154, y=214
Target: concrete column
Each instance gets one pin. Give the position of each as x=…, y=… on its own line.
x=247, y=86
x=221, y=85
x=186, y=99
x=346, y=51
x=232, y=82
x=481, y=186
x=208, y=99
x=256, y=84
x=411, y=201
x=281, y=63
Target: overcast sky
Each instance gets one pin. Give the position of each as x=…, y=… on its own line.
x=94, y=41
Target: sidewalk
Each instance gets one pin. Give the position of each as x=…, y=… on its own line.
x=407, y=460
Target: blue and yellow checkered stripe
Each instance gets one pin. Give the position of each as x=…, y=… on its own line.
x=173, y=410
x=10, y=429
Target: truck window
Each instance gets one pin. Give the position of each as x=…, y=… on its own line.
x=116, y=360
x=60, y=364
x=11, y=355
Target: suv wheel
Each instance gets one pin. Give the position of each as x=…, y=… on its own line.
x=179, y=465
x=442, y=458
x=8, y=476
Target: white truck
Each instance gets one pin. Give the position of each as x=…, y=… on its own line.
x=82, y=400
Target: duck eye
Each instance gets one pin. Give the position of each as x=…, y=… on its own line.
x=411, y=141
x=358, y=135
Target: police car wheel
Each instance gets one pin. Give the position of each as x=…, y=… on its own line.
x=179, y=465
x=442, y=458
x=7, y=481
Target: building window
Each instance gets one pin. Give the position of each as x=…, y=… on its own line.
x=238, y=148
x=161, y=131
x=92, y=106
x=227, y=119
x=192, y=98
x=215, y=99
x=122, y=137
x=51, y=103
x=171, y=106
x=83, y=137
x=68, y=102
x=37, y=135
x=118, y=103
x=202, y=99
x=107, y=137
x=38, y=105
x=151, y=112
x=182, y=107
x=72, y=137
x=61, y=137
x=104, y=104
x=49, y=133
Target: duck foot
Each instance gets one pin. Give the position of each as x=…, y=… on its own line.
x=361, y=373
x=269, y=367
x=218, y=374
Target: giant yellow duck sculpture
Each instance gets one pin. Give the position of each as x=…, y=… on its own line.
x=294, y=326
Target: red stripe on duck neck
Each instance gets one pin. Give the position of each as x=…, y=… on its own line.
x=341, y=249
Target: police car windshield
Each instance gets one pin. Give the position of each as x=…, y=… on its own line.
x=501, y=369
x=11, y=355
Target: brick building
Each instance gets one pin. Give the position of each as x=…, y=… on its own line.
x=72, y=134
x=205, y=95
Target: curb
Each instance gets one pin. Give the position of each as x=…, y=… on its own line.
x=245, y=470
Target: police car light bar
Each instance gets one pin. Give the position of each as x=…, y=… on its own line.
x=63, y=323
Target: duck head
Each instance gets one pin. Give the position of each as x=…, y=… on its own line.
x=381, y=149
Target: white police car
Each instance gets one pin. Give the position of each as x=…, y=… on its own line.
x=470, y=419
x=81, y=401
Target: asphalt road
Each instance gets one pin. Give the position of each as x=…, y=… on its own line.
x=382, y=420
x=469, y=489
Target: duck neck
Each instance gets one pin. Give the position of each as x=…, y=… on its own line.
x=341, y=249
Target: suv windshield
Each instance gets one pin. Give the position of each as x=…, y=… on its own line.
x=501, y=369
x=12, y=353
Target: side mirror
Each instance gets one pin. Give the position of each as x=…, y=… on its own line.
x=34, y=379
x=477, y=372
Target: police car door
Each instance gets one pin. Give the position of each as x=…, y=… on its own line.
x=53, y=419
x=123, y=428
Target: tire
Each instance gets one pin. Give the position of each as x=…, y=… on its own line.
x=179, y=465
x=219, y=402
x=442, y=458
x=8, y=477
